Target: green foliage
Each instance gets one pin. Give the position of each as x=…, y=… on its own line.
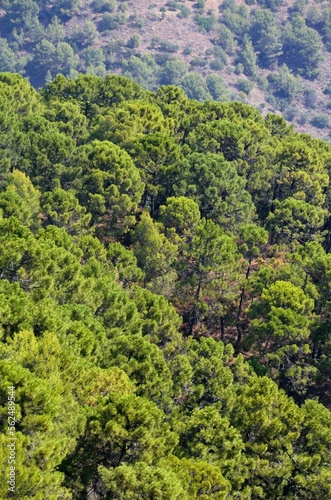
x=173, y=72
x=302, y=48
x=166, y=46
x=247, y=58
x=129, y=122
x=85, y=34
x=66, y=8
x=43, y=39
x=104, y=5
x=128, y=429
x=293, y=219
x=245, y=85
x=266, y=38
x=217, y=88
x=204, y=271
x=134, y=41
x=93, y=57
x=140, y=480
x=206, y=23
x=200, y=4
x=283, y=333
x=146, y=240
x=141, y=69
x=107, y=190
x=283, y=84
x=8, y=59
x=219, y=191
x=320, y=121
x=310, y=98
x=22, y=13
x=198, y=61
x=41, y=403
x=111, y=21
x=195, y=87
x=55, y=31
x=156, y=156
x=59, y=58
x=184, y=12
x=20, y=199
x=182, y=214
x=273, y=5
x=226, y=39
x=155, y=255
x=62, y=209
x=236, y=18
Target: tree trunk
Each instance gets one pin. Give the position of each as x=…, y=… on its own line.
x=238, y=325
x=193, y=318
x=222, y=328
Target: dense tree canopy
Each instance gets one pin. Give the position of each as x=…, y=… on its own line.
x=149, y=244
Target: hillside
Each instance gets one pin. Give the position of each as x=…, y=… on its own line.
x=165, y=286
x=272, y=54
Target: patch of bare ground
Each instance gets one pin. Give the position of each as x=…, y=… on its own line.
x=166, y=26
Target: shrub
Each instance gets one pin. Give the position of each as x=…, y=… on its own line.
x=134, y=41
x=220, y=54
x=172, y=72
x=262, y=82
x=239, y=69
x=187, y=50
x=166, y=46
x=172, y=5
x=123, y=7
x=85, y=35
x=195, y=87
x=162, y=58
x=283, y=84
x=271, y=100
x=245, y=85
x=290, y=113
x=200, y=4
x=136, y=21
x=206, y=23
x=310, y=98
x=226, y=40
x=221, y=59
x=111, y=21
x=302, y=48
x=217, y=64
x=320, y=121
x=302, y=119
x=198, y=61
x=184, y=12
x=217, y=88
x=104, y=5
x=270, y=4
x=93, y=56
